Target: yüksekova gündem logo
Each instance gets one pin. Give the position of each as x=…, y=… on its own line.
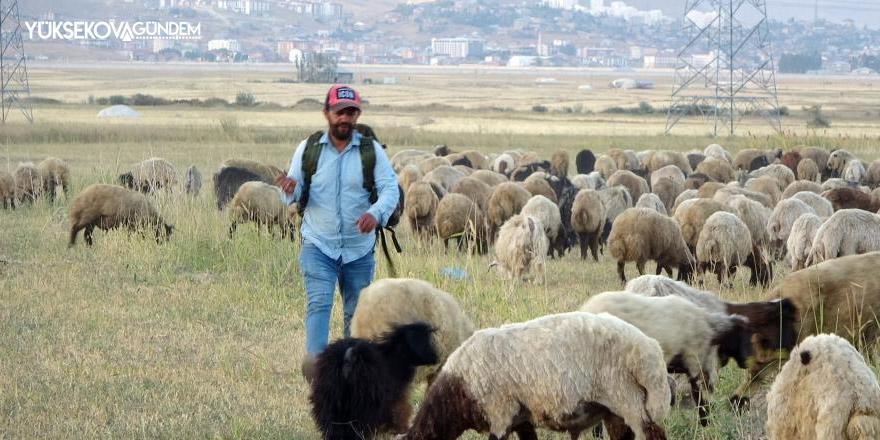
x=105, y=30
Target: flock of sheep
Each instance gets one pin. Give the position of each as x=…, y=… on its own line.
x=610, y=361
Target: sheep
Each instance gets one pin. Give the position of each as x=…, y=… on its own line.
x=408, y=175
x=695, y=159
x=754, y=215
x=475, y=190
x=651, y=201
x=824, y=391
x=111, y=206
x=459, y=217
x=724, y=243
x=505, y=201
x=780, y=173
x=801, y=185
x=685, y=195
x=267, y=173
x=663, y=158
x=521, y=247
x=408, y=157
x=708, y=189
x=696, y=181
x=819, y=156
x=726, y=193
x=565, y=372
x=819, y=204
x=616, y=200
x=529, y=157
x=588, y=181
x=442, y=150
x=625, y=159
x=644, y=157
x=262, y=204
x=767, y=186
x=476, y=159
x=559, y=163
x=668, y=190
x=537, y=185
x=783, y=217
x=635, y=185
x=55, y=172
x=854, y=172
x=588, y=215
x=667, y=172
x=28, y=182
x=150, y=175
x=547, y=212
x=834, y=182
x=718, y=170
x=691, y=216
x=872, y=175
x=838, y=161
x=585, y=161
x=444, y=177
x=717, y=151
x=800, y=240
x=394, y=301
x=7, y=190
x=606, y=166
x=490, y=178
x=846, y=232
x=523, y=172
x=743, y=159
x=362, y=388
x=428, y=164
x=503, y=164
x=851, y=198
x=228, y=180
x=808, y=170
x=192, y=181
x=688, y=335
x=641, y=234
x=420, y=208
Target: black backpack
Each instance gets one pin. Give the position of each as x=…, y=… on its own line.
x=368, y=161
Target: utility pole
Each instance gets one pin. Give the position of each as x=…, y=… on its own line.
x=726, y=69
x=13, y=71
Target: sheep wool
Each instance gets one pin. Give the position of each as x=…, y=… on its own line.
x=537, y=185
x=663, y=158
x=404, y=158
x=807, y=170
x=692, y=215
x=616, y=200
x=606, y=166
x=800, y=240
x=846, y=232
x=717, y=151
x=724, y=242
x=55, y=173
x=781, y=173
x=754, y=215
x=506, y=200
x=688, y=194
x=667, y=172
x=565, y=372
x=444, y=177
x=635, y=185
x=641, y=234
x=588, y=216
x=407, y=176
x=872, y=176
x=459, y=217
x=767, y=186
x=819, y=204
x=801, y=185
x=717, y=169
x=521, y=247
x=396, y=301
x=547, y=212
x=503, y=164
x=819, y=156
x=7, y=190
x=28, y=182
x=475, y=190
x=826, y=390
x=110, y=206
x=783, y=217
x=588, y=181
x=262, y=204
x=150, y=175
x=668, y=190
x=490, y=178
x=192, y=181
x=651, y=201
x=838, y=160
x=427, y=165
x=559, y=163
x=854, y=172
x=267, y=173
x=420, y=207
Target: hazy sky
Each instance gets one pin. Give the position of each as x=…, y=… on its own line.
x=864, y=12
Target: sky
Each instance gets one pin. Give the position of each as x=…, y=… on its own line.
x=864, y=12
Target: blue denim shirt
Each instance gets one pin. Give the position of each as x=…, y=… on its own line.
x=337, y=198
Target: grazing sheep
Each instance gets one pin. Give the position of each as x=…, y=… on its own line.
x=819, y=204
x=228, y=180
x=724, y=244
x=808, y=170
x=691, y=216
x=854, y=172
x=408, y=175
x=110, y=206
x=588, y=215
x=539, y=186
x=585, y=161
x=267, y=173
x=696, y=181
x=504, y=164
x=149, y=176
x=521, y=247
x=528, y=158
x=192, y=181
x=427, y=165
x=685, y=195
x=824, y=391
x=695, y=159
x=635, y=185
x=717, y=169
x=800, y=240
x=408, y=157
x=708, y=189
x=872, y=176
x=783, y=217
x=724, y=194
x=846, y=232
x=476, y=159
x=717, y=151
x=523, y=172
x=625, y=159
x=55, y=173
x=459, y=217
x=838, y=161
x=688, y=335
x=754, y=215
x=819, y=156
x=474, y=190
x=851, y=198
x=834, y=182
x=767, y=186
x=442, y=150
x=663, y=158
x=559, y=163
x=667, y=172
x=588, y=181
x=394, y=301
x=7, y=190
x=668, y=190
x=547, y=212
x=362, y=388
x=262, y=204
x=490, y=178
x=780, y=173
x=651, y=201
x=744, y=158
x=801, y=185
x=420, y=208
x=444, y=177
x=641, y=234
x=505, y=201
x=616, y=200
x=28, y=182
x=791, y=159
x=566, y=372
x=606, y=166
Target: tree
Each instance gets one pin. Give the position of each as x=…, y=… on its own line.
x=316, y=68
x=800, y=62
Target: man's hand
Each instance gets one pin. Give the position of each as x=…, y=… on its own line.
x=285, y=183
x=366, y=223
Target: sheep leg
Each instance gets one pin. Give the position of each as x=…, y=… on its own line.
x=582, y=240
x=719, y=272
x=617, y=429
x=700, y=401
x=594, y=246
x=232, y=229
x=659, y=268
x=74, y=230
x=640, y=265
x=620, y=265
x=88, y=234
x=525, y=431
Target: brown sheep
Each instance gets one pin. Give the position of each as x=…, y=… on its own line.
x=606, y=166
x=668, y=190
x=505, y=201
x=744, y=158
x=110, y=206
x=490, y=178
x=475, y=190
x=407, y=176
x=262, y=204
x=801, y=185
x=819, y=156
x=55, y=172
x=559, y=163
x=780, y=173
x=420, y=208
x=667, y=172
x=538, y=185
x=723, y=194
x=708, y=189
x=428, y=165
x=635, y=185
x=692, y=215
x=267, y=173
x=28, y=182
x=696, y=180
x=150, y=175
x=459, y=217
x=470, y=158
x=766, y=185
x=851, y=198
x=717, y=169
x=663, y=158
x=807, y=170
x=625, y=159
x=642, y=234
x=791, y=159
x=7, y=190
x=872, y=178
x=588, y=215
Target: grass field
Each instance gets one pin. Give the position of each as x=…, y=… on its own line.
x=201, y=337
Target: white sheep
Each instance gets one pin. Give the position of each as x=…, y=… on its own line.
x=150, y=175
x=754, y=215
x=444, y=177
x=854, y=172
x=521, y=247
x=566, y=372
x=715, y=150
x=547, y=212
x=846, y=232
x=420, y=208
x=593, y=180
x=800, y=241
x=826, y=390
x=724, y=243
x=783, y=217
x=616, y=200
x=820, y=205
x=651, y=201
x=262, y=204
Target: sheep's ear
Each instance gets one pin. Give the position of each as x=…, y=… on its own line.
x=806, y=357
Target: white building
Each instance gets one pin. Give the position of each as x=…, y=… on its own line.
x=560, y=4
x=229, y=45
x=456, y=47
x=160, y=45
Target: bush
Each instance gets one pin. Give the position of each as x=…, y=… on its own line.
x=117, y=100
x=815, y=118
x=245, y=99
x=538, y=108
x=215, y=102
x=140, y=99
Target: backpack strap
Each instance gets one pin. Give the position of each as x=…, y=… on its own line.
x=309, y=166
x=368, y=162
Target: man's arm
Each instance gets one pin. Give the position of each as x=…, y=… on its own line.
x=295, y=173
x=386, y=187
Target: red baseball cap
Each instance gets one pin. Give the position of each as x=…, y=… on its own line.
x=342, y=96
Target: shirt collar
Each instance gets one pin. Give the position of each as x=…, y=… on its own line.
x=354, y=142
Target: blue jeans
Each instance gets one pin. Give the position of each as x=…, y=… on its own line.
x=320, y=274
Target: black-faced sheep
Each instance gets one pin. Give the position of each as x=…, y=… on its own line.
x=459, y=217
x=824, y=391
x=267, y=173
x=846, y=232
x=361, y=388
x=635, y=185
x=559, y=163
x=851, y=198
x=420, y=208
x=744, y=158
x=717, y=169
x=442, y=150
x=505, y=201
x=694, y=159
x=819, y=204
x=588, y=216
x=585, y=161
x=566, y=372
x=150, y=175
x=808, y=170
x=394, y=301
x=228, y=180
x=801, y=185
x=475, y=190
x=521, y=247
x=110, y=206
x=800, y=240
x=724, y=243
x=192, y=181
x=470, y=158
x=7, y=190
x=641, y=234
x=28, y=182
x=262, y=204
x=490, y=178
x=55, y=173
x=689, y=336
x=651, y=201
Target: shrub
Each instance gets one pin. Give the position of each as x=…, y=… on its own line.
x=245, y=99
x=539, y=108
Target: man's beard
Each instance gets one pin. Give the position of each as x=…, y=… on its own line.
x=338, y=134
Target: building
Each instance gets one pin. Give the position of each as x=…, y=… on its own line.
x=160, y=45
x=229, y=45
x=597, y=6
x=246, y=7
x=560, y=4
x=456, y=47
